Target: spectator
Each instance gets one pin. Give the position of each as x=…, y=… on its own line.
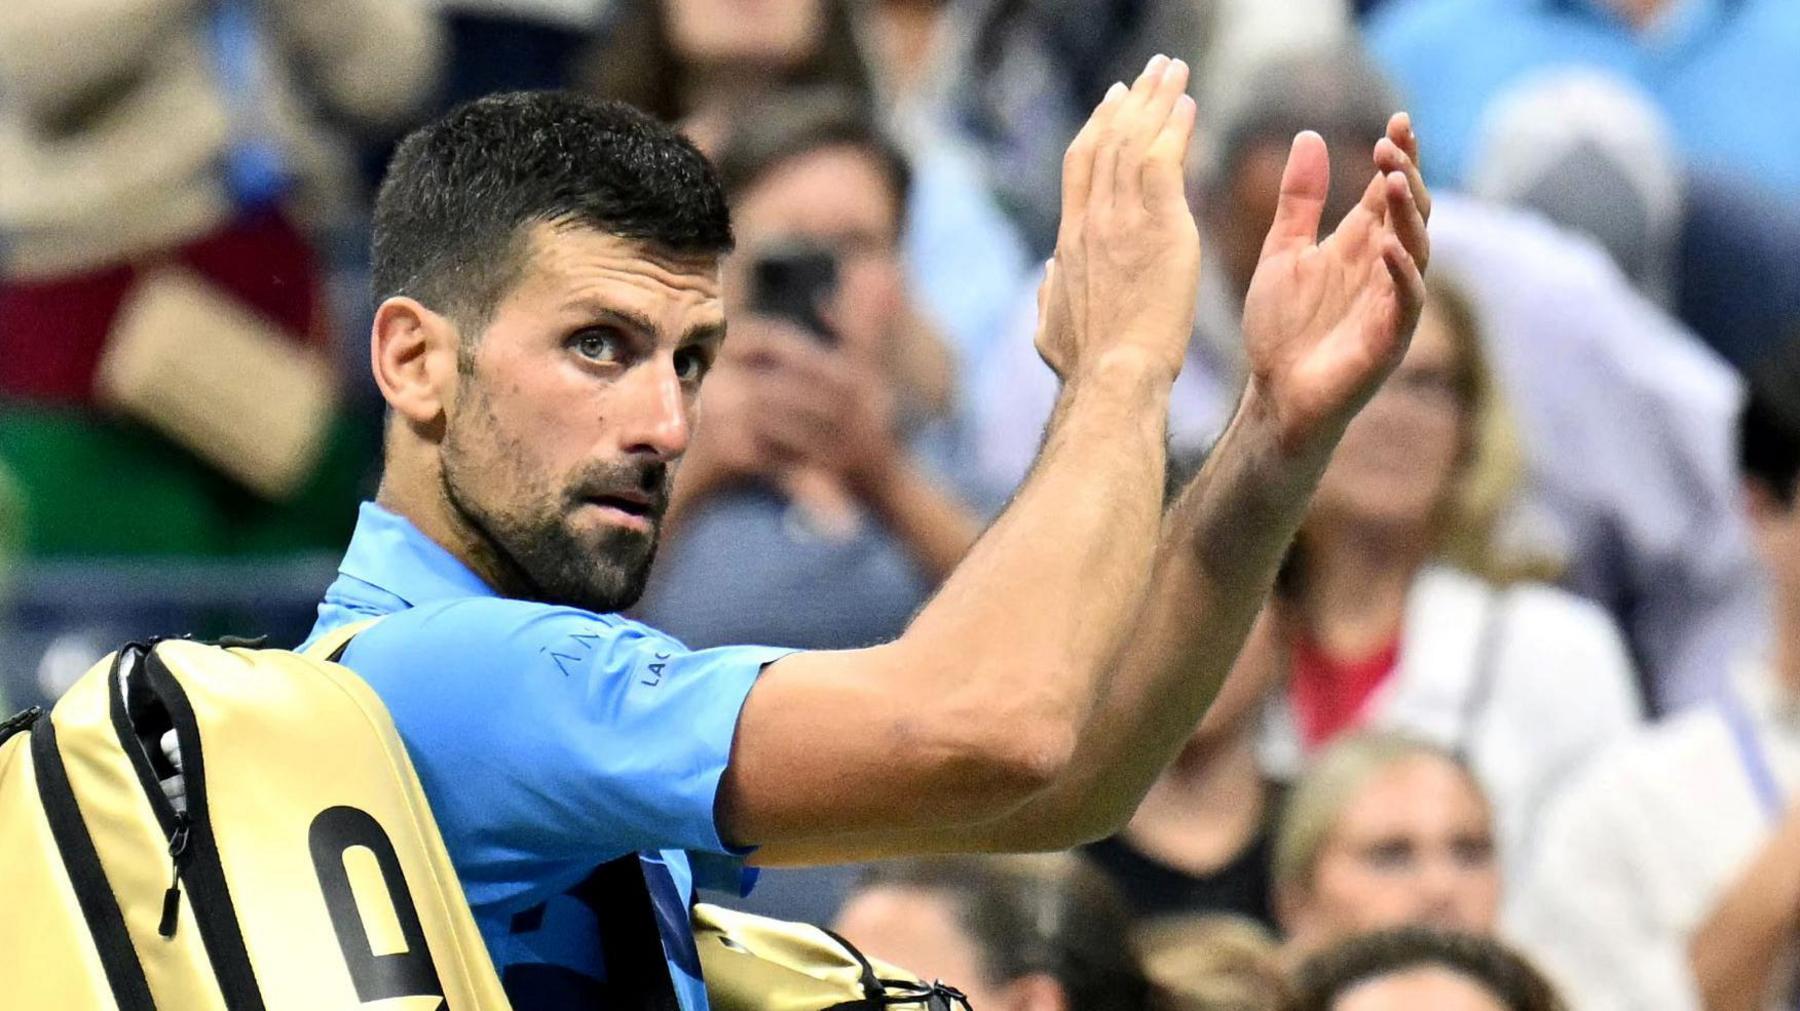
x=160, y=165
x=1413, y=969
x=698, y=62
x=810, y=511
x=1723, y=71
x=1032, y=934
x=811, y=474
x=1668, y=875
x=1623, y=417
x=1214, y=962
x=1201, y=841
x=516, y=45
x=1015, y=78
x=1384, y=831
x=1593, y=153
x=1336, y=93
x=1385, y=632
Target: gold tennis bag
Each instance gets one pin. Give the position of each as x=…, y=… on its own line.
x=305, y=871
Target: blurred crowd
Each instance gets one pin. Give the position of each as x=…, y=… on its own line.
x=1532, y=731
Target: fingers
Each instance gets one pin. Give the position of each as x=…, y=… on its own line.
x=1122, y=132
x=1405, y=218
x=1409, y=282
x=1078, y=162
x=1151, y=151
x=1400, y=133
x=1165, y=167
x=1304, y=185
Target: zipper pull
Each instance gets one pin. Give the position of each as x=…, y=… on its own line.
x=178, y=844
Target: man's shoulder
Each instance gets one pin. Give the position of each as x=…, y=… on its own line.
x=484, y=630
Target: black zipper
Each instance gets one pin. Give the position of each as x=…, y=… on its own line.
x=178, y=849
x=87, y=876
x=18, y=723
x=193, y=852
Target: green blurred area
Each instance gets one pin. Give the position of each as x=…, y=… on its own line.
x=83, y=486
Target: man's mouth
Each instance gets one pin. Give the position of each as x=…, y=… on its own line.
x=640, y=507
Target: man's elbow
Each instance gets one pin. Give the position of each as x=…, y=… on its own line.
x=1012, y=758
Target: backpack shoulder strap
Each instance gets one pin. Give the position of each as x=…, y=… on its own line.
x=332, y=644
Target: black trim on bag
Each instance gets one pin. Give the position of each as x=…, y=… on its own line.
x=131, y=741
x=19, y=723
x=202, y=872
x=99, y=906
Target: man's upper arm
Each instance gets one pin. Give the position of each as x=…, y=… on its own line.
x=851, y=754
x=547, y=734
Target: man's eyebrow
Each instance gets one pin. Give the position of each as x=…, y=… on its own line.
x=705, y=333
x=629, y=320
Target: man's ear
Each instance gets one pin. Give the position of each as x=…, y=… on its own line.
x=413, y=355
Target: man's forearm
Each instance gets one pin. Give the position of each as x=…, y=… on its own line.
x=1733, y=954
x=1040, y=604
x=1221, y=546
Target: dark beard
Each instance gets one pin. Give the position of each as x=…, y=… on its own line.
x=534, y=554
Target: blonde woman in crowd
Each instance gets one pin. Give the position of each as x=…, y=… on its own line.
x=1384, y=831
x=1390, y=621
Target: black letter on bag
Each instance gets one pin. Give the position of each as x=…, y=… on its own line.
x=407, y=973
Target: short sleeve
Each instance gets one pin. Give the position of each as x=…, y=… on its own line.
x=547, y=736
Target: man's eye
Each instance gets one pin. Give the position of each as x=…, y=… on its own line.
x=598, y=345
x=692, y=365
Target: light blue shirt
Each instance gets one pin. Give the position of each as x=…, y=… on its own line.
x=1724, y=71
x=549, y=740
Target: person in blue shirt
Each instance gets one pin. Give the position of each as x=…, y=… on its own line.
x=547, y=269
x=1724, y=71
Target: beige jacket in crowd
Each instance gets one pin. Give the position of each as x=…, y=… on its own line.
x=113, y=117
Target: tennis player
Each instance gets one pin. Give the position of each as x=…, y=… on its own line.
x=548, y=276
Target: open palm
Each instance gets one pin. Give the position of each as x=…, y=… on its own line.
x=1325, y=322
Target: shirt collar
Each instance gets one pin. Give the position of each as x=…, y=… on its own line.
x=389, y=553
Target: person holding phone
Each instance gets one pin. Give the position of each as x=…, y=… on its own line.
x=820, y=471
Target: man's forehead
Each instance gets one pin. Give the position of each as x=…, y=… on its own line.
x=575, y=261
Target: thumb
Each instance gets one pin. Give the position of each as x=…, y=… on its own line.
x=1304, y=185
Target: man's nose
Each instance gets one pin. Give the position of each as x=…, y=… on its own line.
x=655, y=412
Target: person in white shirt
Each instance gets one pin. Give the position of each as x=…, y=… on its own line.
x=1387, y=618
x=1624, y=417
x=1667, y=878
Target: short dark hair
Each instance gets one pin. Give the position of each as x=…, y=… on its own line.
x=1769, y=425
x=460, y=193
x=1330, y=974
x=803, y=120
x=1066, y=920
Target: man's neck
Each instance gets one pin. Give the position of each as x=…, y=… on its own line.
x=418, y=497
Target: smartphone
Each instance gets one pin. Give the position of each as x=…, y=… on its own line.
x=791, y=281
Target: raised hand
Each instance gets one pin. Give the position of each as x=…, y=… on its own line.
x=1325, y=322
x=1127, y=260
